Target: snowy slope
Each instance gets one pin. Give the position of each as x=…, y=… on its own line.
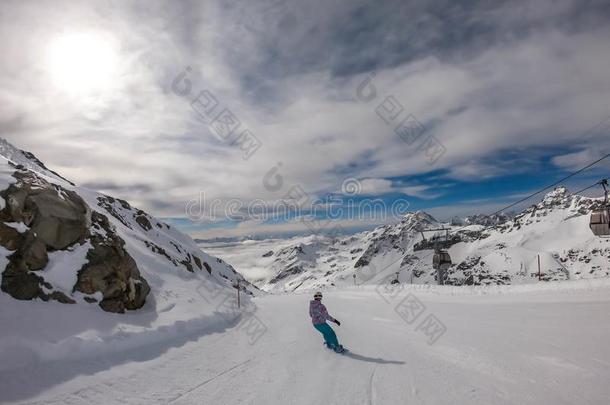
x=556, y=230
x=318, y=260
x=538, y=344
x=188, y=287
x=28, y=161
x=503, y=252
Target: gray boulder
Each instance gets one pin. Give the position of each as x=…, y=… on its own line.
x=10, y=238
x=34, y=252
x=111, y=270
x=57, y=216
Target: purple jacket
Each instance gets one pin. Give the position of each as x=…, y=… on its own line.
x=318, y=312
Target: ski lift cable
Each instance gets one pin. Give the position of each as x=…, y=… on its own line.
x=590, y=165
x=553, y=185
x=591, y=186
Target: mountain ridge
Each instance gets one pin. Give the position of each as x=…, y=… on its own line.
x=69, y=244
x=502, y=249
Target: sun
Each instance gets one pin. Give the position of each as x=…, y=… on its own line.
x=82, y=63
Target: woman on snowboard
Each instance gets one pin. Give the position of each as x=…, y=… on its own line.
x=319, y=316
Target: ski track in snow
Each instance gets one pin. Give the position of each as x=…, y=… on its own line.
x=372, y=392
x=209, y=380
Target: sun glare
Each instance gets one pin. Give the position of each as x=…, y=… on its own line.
x=82, y=63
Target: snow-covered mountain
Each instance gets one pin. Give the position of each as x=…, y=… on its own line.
x=482, y=219
x=76, y=246
x=556, y=230
x=72, y=258
x=503, y=249
x=318, y=260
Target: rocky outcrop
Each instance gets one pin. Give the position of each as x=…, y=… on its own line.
x=483, y=220
x=134, y=218
x=292, y=270
x=111, y=270
x=396, y=236
x=143, y=221
x=10, y=238
x=64, y=243
x=34, y=252
x=52, y=218
x=474, y=271
x=58, y=217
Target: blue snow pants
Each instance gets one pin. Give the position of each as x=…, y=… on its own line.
x=330, y=338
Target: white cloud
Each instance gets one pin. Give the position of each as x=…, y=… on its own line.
x=250, y=228
x=541, y=89
x=375, y=186
x=577, y=160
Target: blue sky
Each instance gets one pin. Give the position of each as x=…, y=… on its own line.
x=451, y=107
x=451, y=198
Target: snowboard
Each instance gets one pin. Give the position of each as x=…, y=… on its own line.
x=341, y=349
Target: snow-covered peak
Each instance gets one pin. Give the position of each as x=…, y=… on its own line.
x=485, y=220
x=558, y=205
x=27, y=160
x=485, y=249
x=556, y=197
x=419, y=220
x=558, y=191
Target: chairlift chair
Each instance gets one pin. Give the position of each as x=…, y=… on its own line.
x=600, y=218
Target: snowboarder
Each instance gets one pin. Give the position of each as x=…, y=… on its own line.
x=319, y=316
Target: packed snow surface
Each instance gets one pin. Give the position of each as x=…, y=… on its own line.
x=541, y=343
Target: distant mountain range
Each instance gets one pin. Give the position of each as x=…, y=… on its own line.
x=65, y=243
x=498, y=249
x=482, y=219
